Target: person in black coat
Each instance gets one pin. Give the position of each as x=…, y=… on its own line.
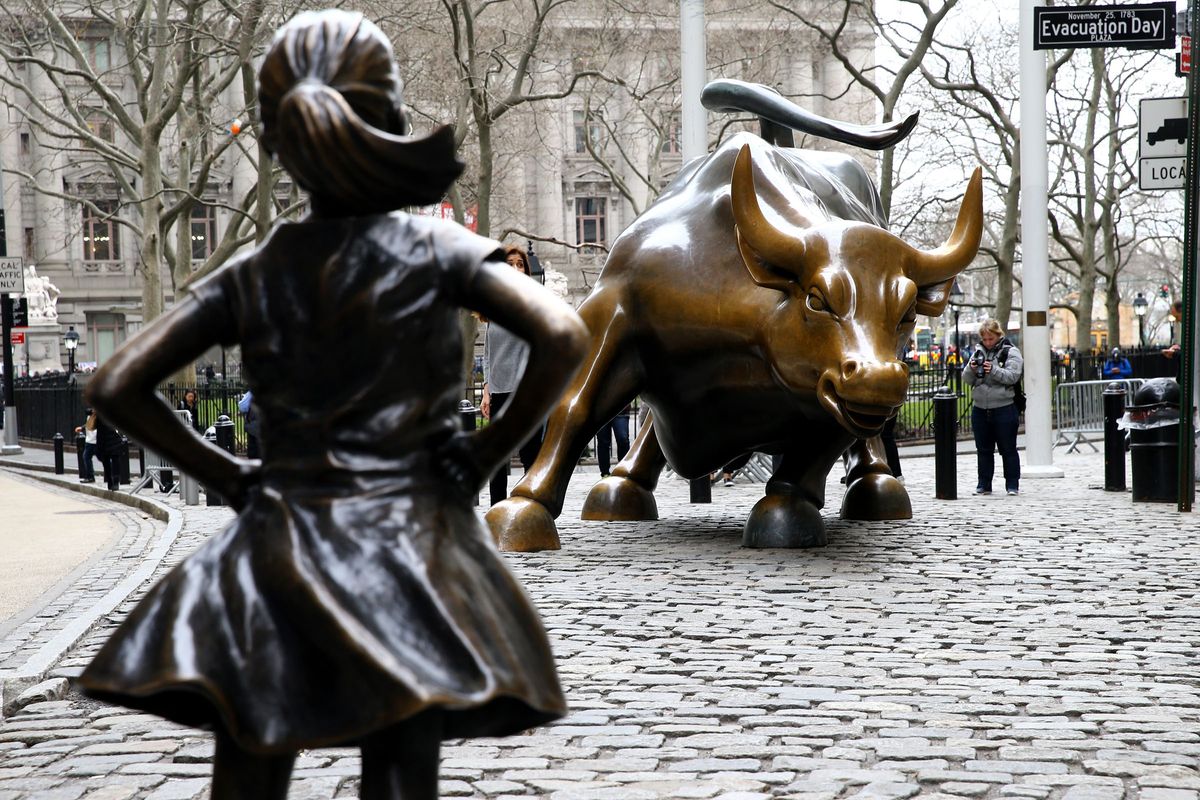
x=108, y=448
x=191, y=404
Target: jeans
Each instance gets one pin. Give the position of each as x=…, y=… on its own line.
x=996, y=429
x=88, y=472
x=498, y=486
x=618, y=426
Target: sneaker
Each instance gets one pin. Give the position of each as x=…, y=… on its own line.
x=1012, y=492
x=729, y=481
x=983, y=491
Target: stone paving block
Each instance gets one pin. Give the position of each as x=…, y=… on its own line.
x=180, y=790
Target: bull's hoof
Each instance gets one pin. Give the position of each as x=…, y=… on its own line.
x=783, y=520
x=521, y=525
x=617, y=499
x=876, y=496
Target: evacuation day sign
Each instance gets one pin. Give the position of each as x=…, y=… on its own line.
x=1145, y=25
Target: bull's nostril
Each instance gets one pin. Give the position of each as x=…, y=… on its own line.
x=849, y=367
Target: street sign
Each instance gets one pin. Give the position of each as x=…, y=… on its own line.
x=18, y=337
x=1183, y=59
x=12, y=277
x=1144, y=25
x=20, y=312
x=1162, y=143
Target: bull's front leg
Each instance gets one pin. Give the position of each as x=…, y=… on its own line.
x=790, y=513
x=525, y=521
x=871, y=491
x=628, y=494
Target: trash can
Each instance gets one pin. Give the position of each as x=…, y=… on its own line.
x=1153, y=424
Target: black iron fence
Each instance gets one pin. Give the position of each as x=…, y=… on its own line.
x=50, y=405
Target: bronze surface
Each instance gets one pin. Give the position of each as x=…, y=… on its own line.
x=758, y=305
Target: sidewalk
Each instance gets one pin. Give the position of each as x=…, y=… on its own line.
x=1043, y=646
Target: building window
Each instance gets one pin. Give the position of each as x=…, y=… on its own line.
x=105, y=332
x=672, y=136
x=100, y=125
x=30, y=244
x=101, y=236
x=26, y=147
x=591, y=220
x=588, y=125
x=95, y=50
x=204, y=231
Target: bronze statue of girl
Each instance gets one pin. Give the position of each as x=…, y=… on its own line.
x=357, y=599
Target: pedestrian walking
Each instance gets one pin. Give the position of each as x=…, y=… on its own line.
x=87, y=470
x=994, y=371
x=108, y=448
x=1117, y=366
x=357, y=599
x=190, y=404
x=504, y=359
x=616, y=428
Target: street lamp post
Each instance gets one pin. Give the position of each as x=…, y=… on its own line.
x=535, y=265
x=1140, y=304
x=956, y=295
x=71, y=341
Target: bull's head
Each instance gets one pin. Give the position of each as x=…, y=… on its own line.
x=851, y=293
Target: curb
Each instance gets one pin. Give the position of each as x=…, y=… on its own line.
x=17, y=683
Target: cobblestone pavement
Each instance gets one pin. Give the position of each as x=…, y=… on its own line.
x=1038, y=646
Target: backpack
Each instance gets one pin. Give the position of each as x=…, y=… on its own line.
x=1019, y=386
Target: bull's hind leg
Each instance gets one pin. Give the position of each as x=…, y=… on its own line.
x=525, y=521
x=871, y=491
x=789, y=515
x=628, y=494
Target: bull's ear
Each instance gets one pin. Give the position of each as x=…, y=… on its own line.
x=761, y=272
x=932, y=299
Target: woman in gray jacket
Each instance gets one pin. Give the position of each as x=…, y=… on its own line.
x=994, y=370
x=504, y=357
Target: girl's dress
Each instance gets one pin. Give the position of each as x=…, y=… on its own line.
x=358, y=587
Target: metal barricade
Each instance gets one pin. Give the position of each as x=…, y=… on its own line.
x=1079, y=411
x=155, y=468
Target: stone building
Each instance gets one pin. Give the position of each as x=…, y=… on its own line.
x=572, y=172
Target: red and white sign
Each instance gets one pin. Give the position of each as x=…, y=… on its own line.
x=1183, y=60
x=18, y=337
x=446, y=211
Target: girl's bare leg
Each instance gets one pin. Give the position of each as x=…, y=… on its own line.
x=241, y=775
x=401, y=763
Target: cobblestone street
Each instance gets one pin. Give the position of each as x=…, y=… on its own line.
x=1038, y=646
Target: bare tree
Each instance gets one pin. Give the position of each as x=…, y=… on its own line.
x=134, y=97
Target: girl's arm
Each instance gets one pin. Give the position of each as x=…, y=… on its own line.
x=123, y=392
x=557, y=340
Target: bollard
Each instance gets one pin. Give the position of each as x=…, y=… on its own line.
x=166, y=479
x=1114, y=438
x=124, y=459
x=224, y=426
x=945, y=444
x=59, y=469
x=466, y=417
x=210, y=497
x=80, y=443
x=700, y=490
x=189, y=489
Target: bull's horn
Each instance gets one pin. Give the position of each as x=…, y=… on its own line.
x=935, y=266
x=773, y=244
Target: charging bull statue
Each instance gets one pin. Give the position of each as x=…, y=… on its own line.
x=758, y=305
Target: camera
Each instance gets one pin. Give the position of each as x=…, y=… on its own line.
x=977, y=362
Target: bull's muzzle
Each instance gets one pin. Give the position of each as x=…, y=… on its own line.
x=861, y=395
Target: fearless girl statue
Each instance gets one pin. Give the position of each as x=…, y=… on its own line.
x=357, y=599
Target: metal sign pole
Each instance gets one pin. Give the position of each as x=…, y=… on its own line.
x=10, y=445
x=1187, y=354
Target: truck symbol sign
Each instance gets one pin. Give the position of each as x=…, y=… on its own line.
x=1172, y=128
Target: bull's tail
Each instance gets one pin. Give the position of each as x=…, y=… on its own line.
x=779, y=114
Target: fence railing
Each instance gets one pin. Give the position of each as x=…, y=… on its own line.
x=46, y=407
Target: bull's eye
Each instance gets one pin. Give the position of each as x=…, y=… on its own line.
x=816, y=302
x=910, y=316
